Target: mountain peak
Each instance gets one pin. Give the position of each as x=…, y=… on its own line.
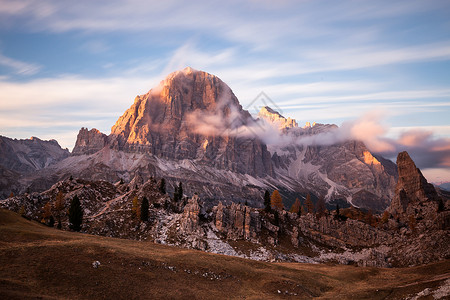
x=275, y=117
x=189, y=116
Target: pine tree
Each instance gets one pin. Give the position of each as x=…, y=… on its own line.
x=46, y=213
x=22, y=211
x=295, y=208
x=302, y=210
x=51, y=221
x=309, y=204
x=337, y=210
x=441, y=206
x=267, y=201
x=121, y=181
x=75, y=214
x=276, y=218
x=175, y=194
x=276, y=201
x=144, y=210
x=180, y=191
x=162, y=186
x=135, y=208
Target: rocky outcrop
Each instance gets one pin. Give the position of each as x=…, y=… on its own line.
x=337, y=233
x=190, y=221
x=414, y=196
x=237, y=221
x=89, y=141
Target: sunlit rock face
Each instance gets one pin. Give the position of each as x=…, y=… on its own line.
x=89, y=141
x=192, y=115
x=273, y=116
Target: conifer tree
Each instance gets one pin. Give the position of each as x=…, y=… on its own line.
x=295, y=208
x=51, y=221
x=384, y=218
x=22, y=211
x=162, y=186
x=441, y=206
x=309, y=204
x=46, y=213
x=75, y=214
x=180, y=191
x=144, y=210
x=175, y=194
x=135, y=208
x=276, y=201
x=267, y=201
x=276, y=218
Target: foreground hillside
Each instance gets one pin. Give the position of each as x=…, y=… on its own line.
x=41, y=262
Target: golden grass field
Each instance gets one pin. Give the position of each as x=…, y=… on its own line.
x=45, y=263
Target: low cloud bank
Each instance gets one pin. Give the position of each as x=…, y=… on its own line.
x=427, y=150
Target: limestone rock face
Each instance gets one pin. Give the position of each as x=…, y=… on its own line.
x=89, y=141
x=190, y=221
x=345, y=170
x=341, y=234
x=237, y=221
x=273, y=116
x=192, y=115
x=414, y=196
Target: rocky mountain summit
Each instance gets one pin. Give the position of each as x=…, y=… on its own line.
x=192, y=128
x=275, y=117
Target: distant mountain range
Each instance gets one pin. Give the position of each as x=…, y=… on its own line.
x=192, y=128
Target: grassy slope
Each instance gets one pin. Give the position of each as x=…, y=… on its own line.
x=37, y=261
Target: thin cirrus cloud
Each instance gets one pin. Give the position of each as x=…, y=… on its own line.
x=19, y=67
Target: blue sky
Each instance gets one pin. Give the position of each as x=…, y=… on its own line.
x=68, y=64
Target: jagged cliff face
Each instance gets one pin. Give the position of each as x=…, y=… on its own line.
x=414, y=196
x=176, y=120
x=347, y=170
x=89, y=141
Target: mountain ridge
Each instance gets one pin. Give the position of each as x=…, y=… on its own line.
x=192, y=128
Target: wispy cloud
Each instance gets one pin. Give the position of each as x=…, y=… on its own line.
x=19, y=67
